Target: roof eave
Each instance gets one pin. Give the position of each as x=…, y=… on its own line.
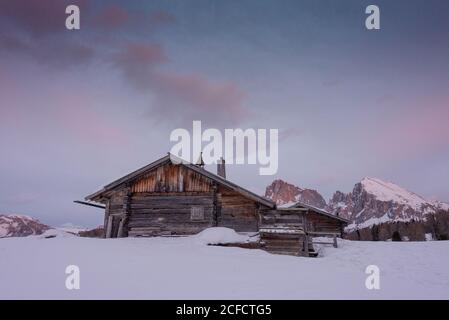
x=320, y=211
x=96, y=196
x=124, y=179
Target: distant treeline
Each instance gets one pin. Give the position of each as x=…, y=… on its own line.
x=435, y=227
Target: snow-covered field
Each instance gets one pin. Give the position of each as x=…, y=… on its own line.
x=186, y=268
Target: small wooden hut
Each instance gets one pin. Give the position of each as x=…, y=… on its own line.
x=290, y=230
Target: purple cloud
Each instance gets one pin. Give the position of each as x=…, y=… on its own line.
x=38, y=17
x=188, y=94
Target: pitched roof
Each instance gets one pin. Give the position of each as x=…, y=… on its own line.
x=316, y=210
x=170, y=158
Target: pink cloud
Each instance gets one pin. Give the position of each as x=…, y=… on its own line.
x=71, y=112
x=290, y=133
x=12, y=91
x=223, y=99
x=419, y=130
x=36, y=29
x=62, y=53
x=9, y=42
x=324, y=180
x=194, y=95
x=191, y=95
x=81, y=121
x=112, y=17
x=38, y=17
x=115, y=16
x=138, y=55
x=162, y=18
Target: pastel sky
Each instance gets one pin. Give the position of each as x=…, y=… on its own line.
x=79, y=109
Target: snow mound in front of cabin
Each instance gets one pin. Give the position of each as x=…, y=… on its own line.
x=220, y=235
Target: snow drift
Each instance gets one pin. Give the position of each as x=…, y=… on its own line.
x=220, y=235
x=181, y=268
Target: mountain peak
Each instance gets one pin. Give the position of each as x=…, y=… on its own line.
x=283, y=192
x=375, y=201
x=388, y=191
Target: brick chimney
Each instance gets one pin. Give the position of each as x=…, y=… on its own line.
x=221, y=168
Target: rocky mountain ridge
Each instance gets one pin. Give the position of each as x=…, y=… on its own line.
x=15, y=225
x=18, y=225
x=283, y=193
x=371, y=202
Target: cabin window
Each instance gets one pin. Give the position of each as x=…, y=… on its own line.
x=197, y=213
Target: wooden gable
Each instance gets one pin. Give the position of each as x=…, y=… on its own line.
x=172, y=178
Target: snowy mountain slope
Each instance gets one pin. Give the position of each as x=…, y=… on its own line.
x=387, y=191
x=19, y=225
x=440, y=205
x=373, y=201
x=15, y=225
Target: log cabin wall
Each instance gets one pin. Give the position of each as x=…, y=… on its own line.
x=171, y=200
x=284, y=243
x=115, y=213
x=287, y=231
x=290, y=242
x=170, y=213
x=236, y=211
x=273, y=216
x=175, y=200
x=316, y=222
x=321, y=223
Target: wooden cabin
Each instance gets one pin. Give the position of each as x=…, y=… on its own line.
x=172, y=197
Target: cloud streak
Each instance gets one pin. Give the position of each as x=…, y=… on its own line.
x=142, y=62
x=37, y=17
x=423, y=129
x=185, y=94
